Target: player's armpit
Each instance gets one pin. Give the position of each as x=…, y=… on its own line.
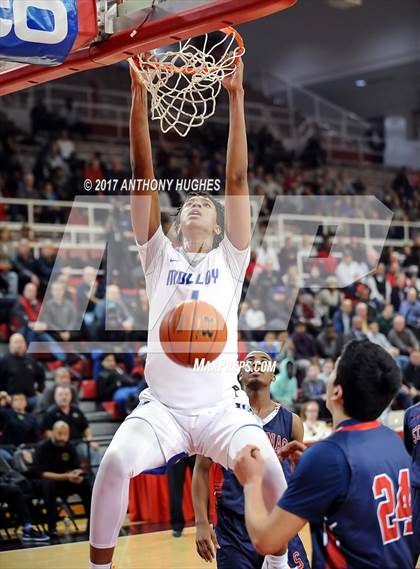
x=276, y=531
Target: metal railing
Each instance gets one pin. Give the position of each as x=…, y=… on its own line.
x=288, y=107
x=93, y=236
x=302, y=103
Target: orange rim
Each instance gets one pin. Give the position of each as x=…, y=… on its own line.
x=193, y=70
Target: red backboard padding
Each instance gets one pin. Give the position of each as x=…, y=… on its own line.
x=87, y=22
x=150, y=35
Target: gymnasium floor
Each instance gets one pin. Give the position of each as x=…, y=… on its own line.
x=157, y=550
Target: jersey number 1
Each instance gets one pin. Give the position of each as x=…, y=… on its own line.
x=393, y=508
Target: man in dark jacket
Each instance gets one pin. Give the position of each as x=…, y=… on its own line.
x=412, y=375
x=25, y=265
x=113, y=384
x=16, y=425
x=304, y=343
x=61, y=377
x=64, y=410
x=329, y=343
x=45, y=264
x=56, y=462
x=20, y=373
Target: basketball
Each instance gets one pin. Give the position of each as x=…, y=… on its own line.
x=193, y=330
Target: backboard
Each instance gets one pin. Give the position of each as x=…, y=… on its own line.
x=128, y=27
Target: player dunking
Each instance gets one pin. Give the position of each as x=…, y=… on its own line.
x=354, y=486
x=185, y=410
x=234, y=548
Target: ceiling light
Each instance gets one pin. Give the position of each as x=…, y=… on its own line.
x=345, y=3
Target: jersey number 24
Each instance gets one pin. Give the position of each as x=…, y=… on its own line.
x=394, y=508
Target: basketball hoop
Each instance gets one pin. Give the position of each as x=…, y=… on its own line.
x=184, y=83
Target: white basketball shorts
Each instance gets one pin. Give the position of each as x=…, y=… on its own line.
x=207, y=432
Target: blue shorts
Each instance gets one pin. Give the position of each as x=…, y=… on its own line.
x=229, y=557
x=297, y=557
x=236, y=549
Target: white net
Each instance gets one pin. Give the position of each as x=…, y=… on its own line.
x=184, y=83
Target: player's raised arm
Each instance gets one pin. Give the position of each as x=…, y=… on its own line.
x=145, y=209
x=237, y=209
x=205, y=540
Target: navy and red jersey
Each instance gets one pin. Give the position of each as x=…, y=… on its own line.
x=412, y=444
x=229, y=493
x=412, y=441
x=354, y=489
x=236, y=547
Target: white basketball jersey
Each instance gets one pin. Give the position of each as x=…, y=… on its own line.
x=170, y=279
